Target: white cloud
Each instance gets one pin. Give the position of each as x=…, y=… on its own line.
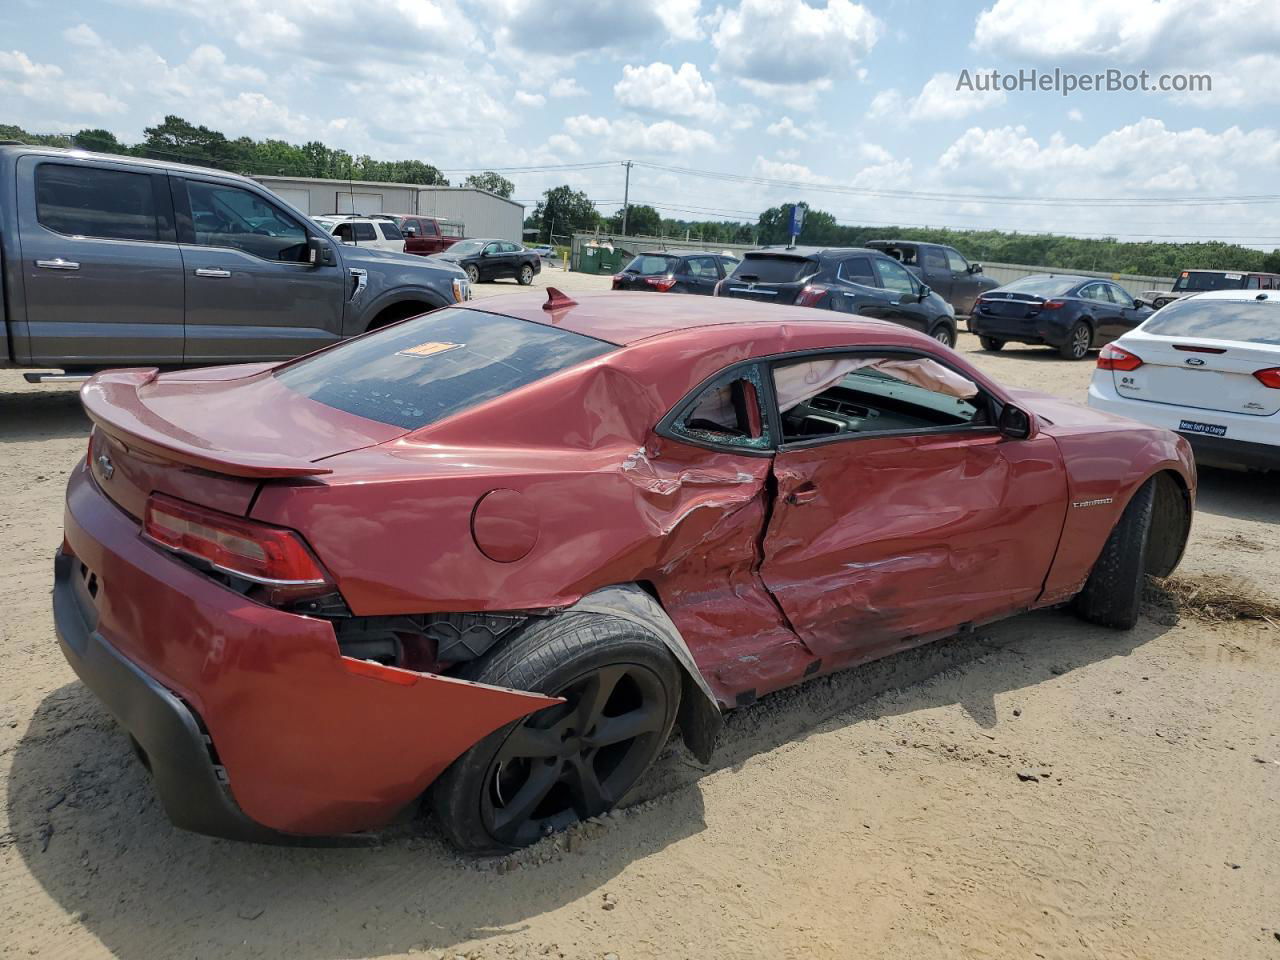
x=787, y=129
x=938, y=99
x=47, y=85
x=790, y=50
x=1074, y=115
x=566, y=87
x=659, y=88
x=562, y=143
x=571, y=29
x=627, y=135
x=526, y=99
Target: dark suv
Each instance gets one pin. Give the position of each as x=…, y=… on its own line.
x=943, y=269
x=675, y=271
x=845, y=279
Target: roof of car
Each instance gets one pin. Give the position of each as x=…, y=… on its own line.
x=679, y=253
x=1073, y=278
x=627, y=318
x=811, y=251
x=74, y=153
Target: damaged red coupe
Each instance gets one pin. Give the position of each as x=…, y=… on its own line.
x=494, y=554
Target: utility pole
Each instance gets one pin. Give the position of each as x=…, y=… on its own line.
x=626, y=197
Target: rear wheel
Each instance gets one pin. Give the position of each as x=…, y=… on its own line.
x=1113, y=593
x=944, y=334
x=1079, y=341
x=571, y=761
x=991, y=343
x=525, y=275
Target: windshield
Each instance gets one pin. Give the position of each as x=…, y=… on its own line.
x=1201, y=280
x=418, y=372
x=1251, y=321
x=1040, y=286
x=467, y=247
x=767, y=268
x=652, y=265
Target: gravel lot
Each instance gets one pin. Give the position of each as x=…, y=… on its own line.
x=879, y=813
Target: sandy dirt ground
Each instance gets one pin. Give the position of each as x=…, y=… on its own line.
x=879, y=813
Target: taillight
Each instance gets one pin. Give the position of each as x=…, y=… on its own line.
x=617, y=281
x=272, y=557
x=660, y=283
x=1269, y=377
x=811, y=294
x=719, y=286
x=1053, y=305
x=1112, y=357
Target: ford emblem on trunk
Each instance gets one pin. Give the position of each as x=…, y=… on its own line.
x=1195, y=361
x=106, y=466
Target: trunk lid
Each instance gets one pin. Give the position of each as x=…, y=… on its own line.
x=1199, y=373
x=211, y=436
x=1022, y=306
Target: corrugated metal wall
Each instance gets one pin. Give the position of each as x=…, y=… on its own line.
x=1135, y=284
x=482, y=214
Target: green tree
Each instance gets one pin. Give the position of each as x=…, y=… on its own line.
x=563, y=210
x=642, y=221
x=493, y=182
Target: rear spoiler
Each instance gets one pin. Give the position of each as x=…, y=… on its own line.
x=111, y=400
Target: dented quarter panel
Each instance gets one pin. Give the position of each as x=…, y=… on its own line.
x=909, y=535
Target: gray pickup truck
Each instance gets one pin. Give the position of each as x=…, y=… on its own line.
x=110, y=261
x=943, y=269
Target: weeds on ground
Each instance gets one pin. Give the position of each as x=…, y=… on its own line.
x=1213, y=598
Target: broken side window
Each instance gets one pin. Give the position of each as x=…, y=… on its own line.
x=728, y=411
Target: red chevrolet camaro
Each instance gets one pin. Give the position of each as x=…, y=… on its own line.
x=493, y=555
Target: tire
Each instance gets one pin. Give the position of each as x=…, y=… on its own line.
x=545, y=761
x=473, y=273
x=1078, y=343
x=991, y=343
x=1113, y=593
x=944, y=335
x=525, y=276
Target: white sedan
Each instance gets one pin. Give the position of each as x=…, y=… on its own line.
x=1207, y=366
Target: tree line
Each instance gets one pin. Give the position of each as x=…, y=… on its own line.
x=179, y=141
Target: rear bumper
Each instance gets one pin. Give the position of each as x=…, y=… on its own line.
x=1248, y=443
x=251, y=720
x=1017, y=330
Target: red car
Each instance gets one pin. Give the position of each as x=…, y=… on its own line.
x=501, y=549
x=427, y=236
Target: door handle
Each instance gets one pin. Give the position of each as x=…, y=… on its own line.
x=212, y=272
x=57, y=264
x=802, y=495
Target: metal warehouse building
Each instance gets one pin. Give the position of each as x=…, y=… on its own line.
x=482, y=214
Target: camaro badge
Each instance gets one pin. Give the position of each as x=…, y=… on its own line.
x=1092, y=503
x=106, y=466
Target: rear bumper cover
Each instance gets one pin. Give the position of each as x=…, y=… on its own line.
x=1017, y=330
x=310, y=743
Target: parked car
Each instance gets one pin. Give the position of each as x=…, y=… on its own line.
x=944, y=269
x=427, y=236
x=1198, y=281
x=675, y=271
x=845, y=279
x=1071, y=314
x=1207, y=366
x=494, y=260
x=545, y=251
x=379, y=233
x=496, y=552
x=110, y=261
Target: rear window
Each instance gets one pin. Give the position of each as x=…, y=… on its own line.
x=390, y=231
x=418, y=372
x=651, y=265
x=1041, y=286
x=1253, y=321
x=1198, y=281
x=763, y=268
x=92, y=202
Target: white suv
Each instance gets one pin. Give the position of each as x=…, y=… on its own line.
x=377, y=232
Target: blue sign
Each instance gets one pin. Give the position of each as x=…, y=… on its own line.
x=797, y=218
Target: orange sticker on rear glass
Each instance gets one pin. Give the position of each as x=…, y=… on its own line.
x=427, y=349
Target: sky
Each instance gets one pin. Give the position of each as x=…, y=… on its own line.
x=853, y=108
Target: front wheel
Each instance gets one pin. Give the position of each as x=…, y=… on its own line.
x=526, y=275
x=944, y=335
x=991, y=344
x=473, y=273
x=1079, y=340
x=568, y=762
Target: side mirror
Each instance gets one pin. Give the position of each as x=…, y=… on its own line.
x=410, y=231
x=1014, y=423
x=319, y=252
x=924, y=293
x=975, y=268
x=1139, y=303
